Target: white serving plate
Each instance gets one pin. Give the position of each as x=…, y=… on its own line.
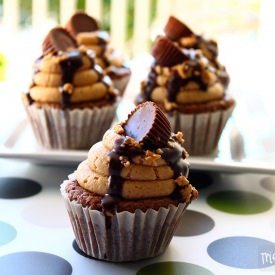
x=21, y=145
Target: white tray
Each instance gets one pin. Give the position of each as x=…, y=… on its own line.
x=21, y=145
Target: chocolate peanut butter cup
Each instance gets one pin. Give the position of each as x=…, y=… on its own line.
x=148, y=125
x=58, y=39
x=175, y=29
x=81, y=22
x=166, y=53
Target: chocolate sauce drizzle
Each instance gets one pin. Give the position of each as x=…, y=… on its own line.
x=176, y=81
x=151, y=83
x=118, y=155
x=173, y=154
x=68, y=67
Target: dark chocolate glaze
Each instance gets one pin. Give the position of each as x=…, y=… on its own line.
x=118, y=155
x=176, y=82
x=29, y=98
x=173, y=154
x=68, y=67
x=151, y=83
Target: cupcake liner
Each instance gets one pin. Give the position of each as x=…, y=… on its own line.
x=121, y=83
x=69, y=129
x=125, y=236
x=202, y=131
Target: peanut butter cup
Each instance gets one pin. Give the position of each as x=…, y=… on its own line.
x=175, y=29
x=58, y=39
x=166, y=53
x=81, y=22
x=148, y=125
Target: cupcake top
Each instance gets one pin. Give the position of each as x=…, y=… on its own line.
x=86, y=30
x=138, y=160
x=183, y=78
x=67, y=76
x=184, y=37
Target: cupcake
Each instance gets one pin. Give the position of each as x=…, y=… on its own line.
x=71, y=102
x=191, y=92
x=127, y=198
x=86, y=30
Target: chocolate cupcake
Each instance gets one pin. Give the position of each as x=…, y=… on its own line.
x=191, y=92
x=127, y=198
x=86, y=30
x=70, y=102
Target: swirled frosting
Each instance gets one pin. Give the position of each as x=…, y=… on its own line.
x=67, y=75
x=180, y=78
x=122, y=167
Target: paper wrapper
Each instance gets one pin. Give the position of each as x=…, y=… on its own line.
x=202, y=132
x=126, y=236
x=69, y=129
x=121, y=83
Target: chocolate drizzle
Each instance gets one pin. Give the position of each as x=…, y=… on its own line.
x=175, y=156
x=68, y=67
x=176, y=82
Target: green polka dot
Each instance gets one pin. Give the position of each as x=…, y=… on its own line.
x=237, y=202
x=173, y=268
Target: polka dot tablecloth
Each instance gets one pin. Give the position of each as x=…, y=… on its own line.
x=230, y=229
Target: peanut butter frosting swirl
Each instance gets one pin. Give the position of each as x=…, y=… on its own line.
x=189, y=78
x=120, y=168
x=66, y=75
